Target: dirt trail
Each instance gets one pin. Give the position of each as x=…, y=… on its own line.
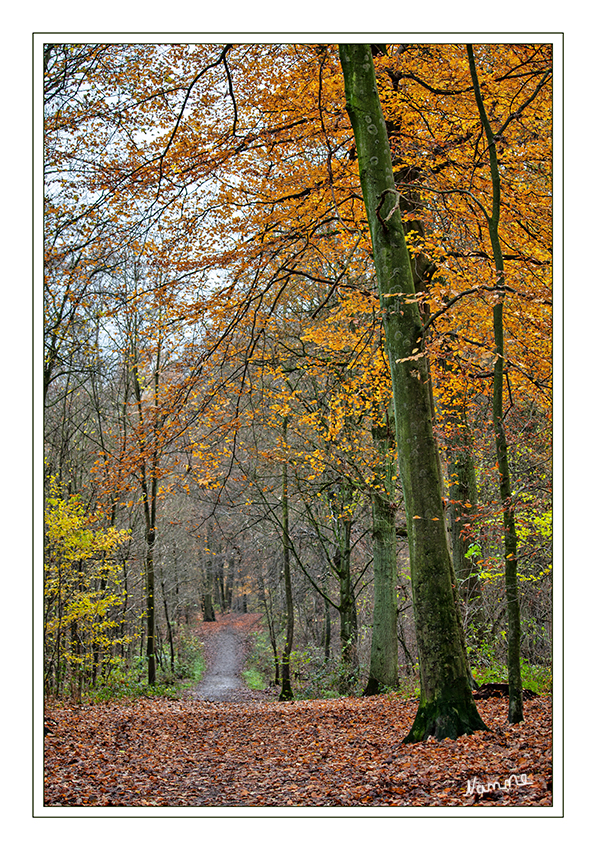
x=226, y=644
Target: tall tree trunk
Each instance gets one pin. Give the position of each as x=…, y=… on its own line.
x=123, y=618
x=229, y=584
x=218, y=581
x=460, y=461
x=447, y=708
x=423, y=270
x=383, y=652
x=340, y=497
x=327, y=633
x=516, y=713
x=169, y=628
x=149, y=482
x=150, y=604
x=286, y=680
x=348, y=623
x=150, y=594
x=208, y=580
x=208, y=609
x=270, y=624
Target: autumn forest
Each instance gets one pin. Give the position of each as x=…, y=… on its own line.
x=297, y=373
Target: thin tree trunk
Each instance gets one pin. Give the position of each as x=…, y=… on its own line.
x=208, y=582
x=286, y=681
x=447, y=708
x=229, y=584
x=150, y=605
x=348, y=623
x=327, y=637
x=383, y=651
x=208, y=610
x=241, y=580
x=169, y=628
x=516, y=713
x=270, y=625
x=149, y=493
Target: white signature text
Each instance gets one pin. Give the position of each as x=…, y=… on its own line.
x=478, y=788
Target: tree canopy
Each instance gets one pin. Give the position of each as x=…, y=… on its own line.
x=215, y=343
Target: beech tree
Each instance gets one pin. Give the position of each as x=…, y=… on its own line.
x=447, y=708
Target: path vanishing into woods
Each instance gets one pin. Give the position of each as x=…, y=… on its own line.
x=225, y=646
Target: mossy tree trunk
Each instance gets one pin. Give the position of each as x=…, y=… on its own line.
x=516, y=714
x=460, y=460
x=447, y=708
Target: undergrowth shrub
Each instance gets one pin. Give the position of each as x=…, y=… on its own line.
x=260, y=663
x=128, y=681
x=317, y=677
x=536, y=677
x=488, y=663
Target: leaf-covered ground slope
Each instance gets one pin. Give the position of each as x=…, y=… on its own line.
x=338, y=752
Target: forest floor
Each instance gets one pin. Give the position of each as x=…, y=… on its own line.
x=227, y=746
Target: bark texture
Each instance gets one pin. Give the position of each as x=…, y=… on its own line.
x=446, y=708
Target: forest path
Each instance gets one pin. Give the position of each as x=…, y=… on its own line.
x=225, y=646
